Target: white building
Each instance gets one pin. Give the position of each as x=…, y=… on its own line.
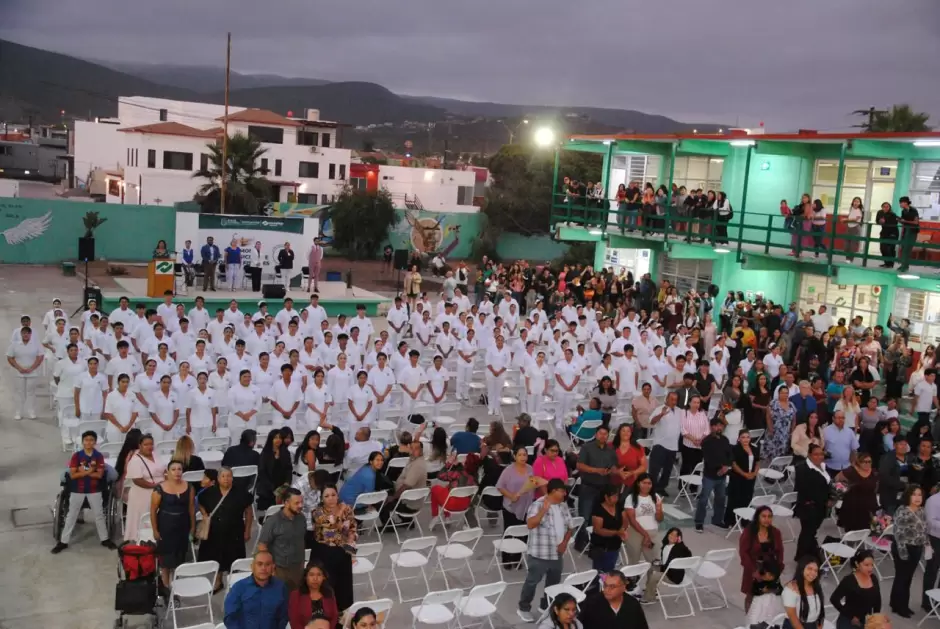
x=159, y=145
x=431, y=189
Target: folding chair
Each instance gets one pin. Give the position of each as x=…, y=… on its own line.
x=246, y=471
x=448, y=510
x=110, y=450
x=267, y=513
x=410, y=517
x=577, y=522
x=685, y=480
x=480, y=603
x=756, y=435
x=233, y=578
x=714, y=567
x=934, y=596
x=483, y=512
x=776, y=472
x=584, y=432
x=415, y=553
x=98, y=425
x=513, y=542
x=575, y=585
x=844, y=549
x=372, y=501
x=363, y=564
x=881, y=549
x=665, y=589
x=742, y=514
x=783, y=508
x=194, y=476
x=638, y=571
x=459, y=548
x=433, y=609
x=167, y=447
x=382, y=608
x=192, y=580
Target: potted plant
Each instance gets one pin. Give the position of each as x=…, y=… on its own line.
x=86, y=244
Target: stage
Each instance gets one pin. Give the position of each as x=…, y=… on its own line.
x=334, y=297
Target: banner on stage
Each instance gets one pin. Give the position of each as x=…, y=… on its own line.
x=247, y=232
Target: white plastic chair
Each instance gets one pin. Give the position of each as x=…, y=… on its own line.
x=934, y=596
x=485, y=513
x=246, y=471
x=639, y=571
x=512, y=542
x=234, y=578
x=577, y=436
x=365, y=565
x=167, y=447
x=844, y=549
x=193, y=580
x=110, y=450
x=574, y=584
x=193, y=476
x=783, y=508
x=415, y=554
x=756, y=435
x=449, y=512
x=481, y=602
x=433, y=609
x=665, y=589
x=98, y=425
x=714, y=567
x=776, y=472
x=458, y=548
x=372, y=501
x=577, y=523
x=382, y=608
x=880, y=548
x=686, y=480
x=409, y=496
x=742, y=514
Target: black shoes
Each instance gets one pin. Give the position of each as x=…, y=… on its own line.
x=58, y=548
x=109, y=544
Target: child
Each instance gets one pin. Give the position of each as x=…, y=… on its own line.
x=766, y=604
x=209, y=479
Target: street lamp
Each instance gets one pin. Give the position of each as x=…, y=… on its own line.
x=544, y=137
x=513, y=130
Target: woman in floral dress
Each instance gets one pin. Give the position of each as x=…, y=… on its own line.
x=782, y=416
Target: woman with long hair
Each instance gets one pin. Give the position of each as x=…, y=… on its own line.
x=803, y=597
x=173, y=518
x=643, y=510
x=761, y=395
x=144, y=471
x=334, y=541
x=274, y=470
x=609, y=529
x=631, y=458
x=804, y=435
x=745, y=463
x=760, y=543
x=130, y=446
x=858, y=595
x=550, y=464
x=910, y=538
x=305, y=457
x=314, y=599
x=517, y=484
x=853, y=228
x=562, y=613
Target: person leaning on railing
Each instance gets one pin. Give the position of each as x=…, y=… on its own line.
x=853, y=227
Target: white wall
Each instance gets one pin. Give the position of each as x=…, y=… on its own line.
x=97, y=146
x=435, y=188
x=160, y=186
x=135, y=111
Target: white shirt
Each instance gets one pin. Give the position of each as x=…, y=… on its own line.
x=200, y=405
x=366, y=329
x=238, y=363
x=264, y=379
x=242, y=399
x=152, y=345
x=185, y=343
x=198, y=319
x=316, y=315
x=360, y=397
x=339, y=382
x=58, y=341
x=255, y=344
x=166, y=312
x=183, y=387
x=436, y=379
x=537, y=376
x=68, y=374
x=165, y=366
x=121, y=406
x=925, y=393
x=821, y=322
x=284, y=395
x=381, y=379
x=412, y=378
x=91, y=392
x=164, y=405
x=498, y=358
x=284, y=316
x=126, y=317
x=25, y=354
x=145, y=385
x=220, y=384
x=117, y=366
x=666, y=431
x=772, y=365
x=201, y=364
x=216, y=328
x=319, y=397
x=358, y=453
x=233, y=317
x=567, y=371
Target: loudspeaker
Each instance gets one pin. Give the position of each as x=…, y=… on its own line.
x=273, y=291
x=400, y=261
x=92, y=293
x=86, y=249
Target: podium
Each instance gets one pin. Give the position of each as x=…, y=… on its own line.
x=160, y=276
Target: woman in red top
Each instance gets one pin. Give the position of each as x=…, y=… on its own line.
x=314, y=599
x=631, y=458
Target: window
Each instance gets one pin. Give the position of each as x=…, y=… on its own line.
x=324, y=199
x=163, y=117
x=925, y=179
x=699, y=172
x=342, y=171
x=325, y=140
x=131, y=156
x=264, y=165
x=6, y=150
x=174, y=160
x=465, y=195
x=687, y=274
x=332, y=172
x=268, y=135
x=151, y=158
x=921, y=308
x=307, y=198
x=306, y=138
x=310, y=170
x=203, y=161
x=357, y=183
x=842, y=300
x=277, y=168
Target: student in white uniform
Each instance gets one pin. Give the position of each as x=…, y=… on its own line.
x=240, y=360
x=25, y=357
x=658, y=370
x=145, y=385
x=382, y=380
x=165, y=411
x=57, y=338
x=244, y=400
x=263, y=376
x=629, y=381
x=123, y=362
x=317, y=402
x=411, y=381
x=361, y=403
x=165, y=363
x=605, y=370
x=120, y=410
x=537, y=374
x=201, y=410
x=201, y=360
x=466, y=357
x=66, y=374
x=436, y=376
x=198, y=316
x=258, y=341
x=328, y=351
x=567, y=378
x=182, y=383
x=397, y=322
x=498, y=358
x=286, y=398
x=339, y=381
x=220, y=381
x=89, y=393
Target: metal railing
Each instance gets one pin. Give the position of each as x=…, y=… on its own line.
x=770, y=234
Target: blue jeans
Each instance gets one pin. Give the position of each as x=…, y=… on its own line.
x=606, y=561
x=550, y=569
x=708, y=486
x=632, y=215
x=587, y=496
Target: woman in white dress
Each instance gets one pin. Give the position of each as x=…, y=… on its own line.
x=220, y=381
x=120, y=411
x=165, y=363
x=201, y=410
x=466, y=355
x=145, y=385
x=244, y=400
x=182, y=383
x=537, y=375
x=339, y=381
x=361, y=402
x=165, y=411
x=318, y=400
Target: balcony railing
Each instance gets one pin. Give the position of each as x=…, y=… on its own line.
x=760, y=233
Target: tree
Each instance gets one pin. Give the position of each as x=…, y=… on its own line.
x=361, y=220
x=368, y=145
x=899, y=119
x=246, y=188
x=520, y=198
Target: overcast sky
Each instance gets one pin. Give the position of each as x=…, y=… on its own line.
x=789, y=63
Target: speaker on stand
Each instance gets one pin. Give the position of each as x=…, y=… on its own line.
x=273, y=291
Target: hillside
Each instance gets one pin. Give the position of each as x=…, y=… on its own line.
x=204, y=79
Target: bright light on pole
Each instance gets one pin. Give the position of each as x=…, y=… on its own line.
x=544, y=137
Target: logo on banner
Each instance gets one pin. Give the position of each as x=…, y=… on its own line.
x=164, y=268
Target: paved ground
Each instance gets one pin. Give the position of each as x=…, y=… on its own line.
x=76, y=589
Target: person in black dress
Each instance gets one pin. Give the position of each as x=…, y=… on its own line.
x=858, y=595
x=745, y=463
x=812, y=501
x=173, y=516
x=231, y=518
x=274, y=470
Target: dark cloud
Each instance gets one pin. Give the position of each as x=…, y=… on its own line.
x=799, y=63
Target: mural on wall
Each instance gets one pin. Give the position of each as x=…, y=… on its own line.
x=283, y=208
x=27, y=229
x=429, y=232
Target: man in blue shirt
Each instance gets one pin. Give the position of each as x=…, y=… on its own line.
x=233, y=263
x=467, y=441
x=210, y=260
x=188, y=257
x=259, y=602
x=841, y=444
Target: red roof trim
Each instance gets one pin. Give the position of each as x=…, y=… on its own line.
x=779, y=137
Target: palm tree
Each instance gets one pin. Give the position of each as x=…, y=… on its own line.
x=899, y=119
x=246, y=189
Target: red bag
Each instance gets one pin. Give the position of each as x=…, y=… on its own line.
x=139, y=561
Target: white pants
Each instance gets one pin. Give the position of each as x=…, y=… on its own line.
x=523, y=398
x=113, y=434
x=286, y=276
x=494, y=390
x=464, y=376
x=564, y=404
x=75, y=507
x=534, y=402
x=24, y=393
x=200, y=433
x=232, y=272
x=237, y=425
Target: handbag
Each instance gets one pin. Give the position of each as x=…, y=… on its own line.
x=202, y=529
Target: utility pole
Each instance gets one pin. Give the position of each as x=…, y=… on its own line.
x=228, y=68
x=871, y=112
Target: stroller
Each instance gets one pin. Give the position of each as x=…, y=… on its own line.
x=136, y=591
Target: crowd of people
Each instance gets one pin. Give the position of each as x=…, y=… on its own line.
x=598, y=362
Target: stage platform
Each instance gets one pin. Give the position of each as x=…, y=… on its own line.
x=334, y=297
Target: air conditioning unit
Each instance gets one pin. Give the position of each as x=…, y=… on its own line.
x=314, y=149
